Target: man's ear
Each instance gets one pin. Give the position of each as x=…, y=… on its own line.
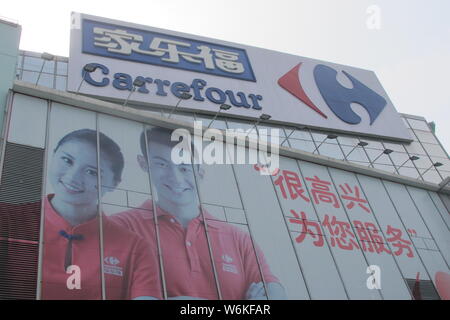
x=142, y=162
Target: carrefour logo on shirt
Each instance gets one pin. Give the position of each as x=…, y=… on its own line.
x=149, y=47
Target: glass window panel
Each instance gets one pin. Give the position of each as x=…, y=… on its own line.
x=427, y=137
x=319, y=137
x=278, y=130
x=71, y=206
x=319, y=268
x=182, y=236
x=216, y=212
x=413, y=135
x=431, y=176
x=126, y=134
x=61, y=68
x=382, y=158
x=28, y=121
x=61, y=83
x=409, y=172
x=285, y=142
x=444, y=161
x=433, y=220
x=434, y=150
x=358, y=154
x=218, y=177
x=292, y=194
x=399, y=158
x=234, y=124
x=373, y=144
x=45, y=79
x=265, y=217
x=440, y=205
x=235, y=215
x=423, y=162
x=133, y=258
x=435, y=264
x=242, y=262
x=382, y=206
x=331, y=150
x=418, y=124
x=414, y=148
x=362, y=216
x=406, y=209
x=218, y=123
x=307, y=146
x=127, y=183
x=32, y=63
x=394, y=146
x=330, y=208
x=29, y=76
x=289, y=131
x=349, y=141
x=35, y=64
x=300, y=134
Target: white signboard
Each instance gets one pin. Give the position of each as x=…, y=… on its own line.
x=292, y=89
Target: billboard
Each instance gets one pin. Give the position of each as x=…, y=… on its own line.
x=217, y=231
x=292, y=89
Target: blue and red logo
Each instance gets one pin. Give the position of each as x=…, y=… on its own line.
x=337, y=97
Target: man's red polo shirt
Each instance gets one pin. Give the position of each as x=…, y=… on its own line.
x=186, y=257
x=130, y=264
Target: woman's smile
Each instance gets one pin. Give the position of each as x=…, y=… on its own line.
x=71, y=188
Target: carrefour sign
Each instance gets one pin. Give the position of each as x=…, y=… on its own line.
x=159, y=49
x=293, y=90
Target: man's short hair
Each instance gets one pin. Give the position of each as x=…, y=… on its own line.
x=160, y=135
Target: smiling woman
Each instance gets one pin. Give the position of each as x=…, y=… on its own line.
x=73, y=173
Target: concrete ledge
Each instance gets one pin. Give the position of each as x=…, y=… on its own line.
x=100, y=106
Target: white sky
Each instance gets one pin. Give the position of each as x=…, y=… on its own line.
x=410, y=53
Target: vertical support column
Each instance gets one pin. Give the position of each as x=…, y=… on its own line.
x=155, y=217
x=43, y=195
x=99, y=212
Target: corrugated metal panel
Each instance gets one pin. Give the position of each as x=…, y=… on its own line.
x=20, y=210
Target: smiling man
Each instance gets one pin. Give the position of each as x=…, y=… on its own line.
x=186, y=254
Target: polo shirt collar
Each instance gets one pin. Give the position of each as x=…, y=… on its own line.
x=58, y=222
x=161, y=213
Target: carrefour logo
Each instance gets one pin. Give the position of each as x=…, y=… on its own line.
x=337, y=97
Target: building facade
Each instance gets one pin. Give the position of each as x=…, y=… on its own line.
x=351, y=211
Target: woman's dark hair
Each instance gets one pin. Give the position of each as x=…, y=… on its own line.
x=107, y=145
